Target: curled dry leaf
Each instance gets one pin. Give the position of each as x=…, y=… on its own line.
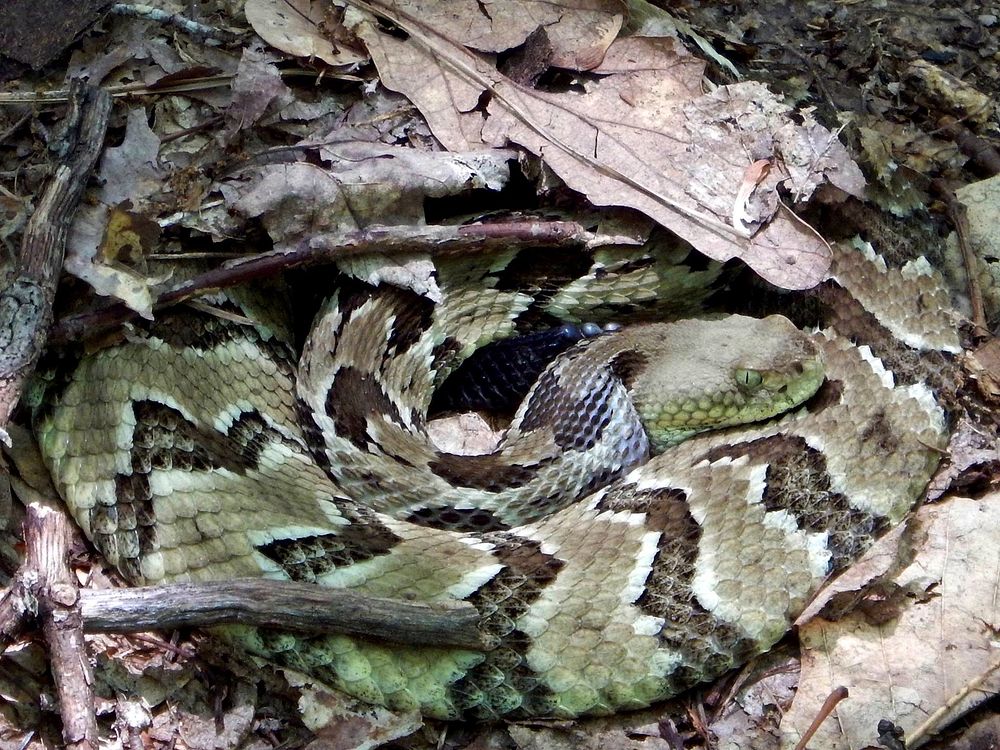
x=641, y=135
x=463, y=435
x=107, y=240
x=414, y=272
x=301, y=28
x=942, y=641
x=132, y=171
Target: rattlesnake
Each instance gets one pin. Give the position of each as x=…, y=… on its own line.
x=196, y=449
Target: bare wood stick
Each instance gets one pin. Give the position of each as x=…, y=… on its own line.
x=26, y=303
x=438, y=240
x=284, y=605
x=46, y=536
x=935, y=721
x=982, y=153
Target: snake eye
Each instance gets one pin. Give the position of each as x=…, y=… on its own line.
x=748, y=380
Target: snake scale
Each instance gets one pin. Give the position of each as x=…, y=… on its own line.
x=201, y=449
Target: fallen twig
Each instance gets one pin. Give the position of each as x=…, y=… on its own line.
x=46, y=537
x=44, y=584
x=825, y=710
x=439, y=240
x=956, y=212
x=176, y=20
x=979, y=150
x=934, y=722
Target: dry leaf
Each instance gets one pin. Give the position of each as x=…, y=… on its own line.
x=132, y=170
x=365, y=184
x=579, y=31
x=463, y=435
x=414, y=272
x=943, y=640
x=642, y=135
x=95, y=228
x=299, y=27
x=131, y=181
x=590, y=735
x=257, y=84
x=877, y=563
x=343, y=724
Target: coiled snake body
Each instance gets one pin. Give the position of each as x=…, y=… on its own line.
x=198, y=450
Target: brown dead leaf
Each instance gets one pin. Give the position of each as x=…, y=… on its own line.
x=750, y=719
x=343, y=724
x=973, y=455
x=301, y=28
x=642, y=135
x=414, y=272
x=114, y=228
x=94, y=228
x=610, y=735
x=292, y=200
x=579, y=31
x=230, y=728
x=257, y=85
x=365, y=184
x=877, y=563
x=132, y=170
x=907, y=669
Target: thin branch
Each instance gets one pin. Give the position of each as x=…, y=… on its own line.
x=176, y=20
x=835, y=697
x=282, y=605
x=132, y=90
x=956, y=213
x=979, y=150
x=45, y=582
x=437, y=240
x=934, y=722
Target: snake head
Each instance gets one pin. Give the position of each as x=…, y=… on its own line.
x=701, y=375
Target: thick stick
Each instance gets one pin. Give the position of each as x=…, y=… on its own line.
x=287, y=606
x=46, y=536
